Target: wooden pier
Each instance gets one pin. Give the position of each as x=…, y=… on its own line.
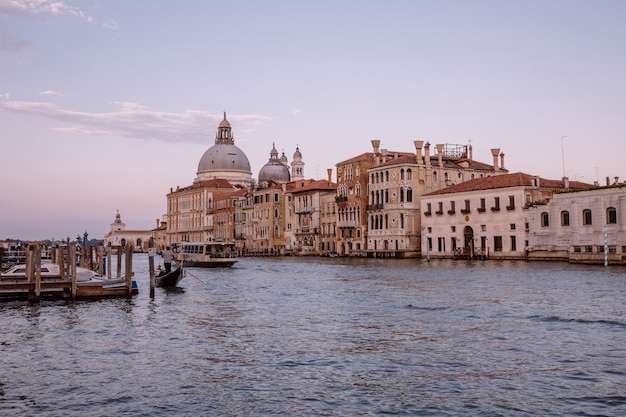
x=33, y=286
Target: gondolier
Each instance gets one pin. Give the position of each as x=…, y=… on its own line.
x=167, y=255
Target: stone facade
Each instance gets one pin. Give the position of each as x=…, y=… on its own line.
x=572, y=227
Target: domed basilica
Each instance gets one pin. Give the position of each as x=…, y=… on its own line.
x=224, y=160
x=223, y=171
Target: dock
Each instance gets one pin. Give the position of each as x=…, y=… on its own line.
x=34, y=287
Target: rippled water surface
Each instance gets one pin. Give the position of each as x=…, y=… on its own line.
x=336, y=337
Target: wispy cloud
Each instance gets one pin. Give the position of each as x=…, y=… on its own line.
x=295, y=112
x=42, y=7
x=132, y=120
x=50, y=93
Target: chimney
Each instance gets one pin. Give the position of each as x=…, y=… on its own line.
x=537, y=184
x=566, y=183
x=616, y=180
x=427, y=153
x=384, y=154
x=502, y=160
x=608, y=181
x=471, y=153
x=418, y=150
x=495, y=153
x=440, y=154
x=376, y=145
x=157, y=222
x=329, y=171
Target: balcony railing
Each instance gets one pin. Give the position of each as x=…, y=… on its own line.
x=370, y=207
x=346, y=223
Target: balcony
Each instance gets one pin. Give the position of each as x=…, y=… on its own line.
x=465, y=211
x=439, y=212
x=495, y=208
x=346, y=223
x=480, y=209
x=428, y=213
x=510, y=208
x=305, y=210
x=341, y=199
x=370, y=207
x=451, y=212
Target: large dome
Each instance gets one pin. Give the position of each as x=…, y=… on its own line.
x=274, y=170
x=222, y=157
x=225, y=160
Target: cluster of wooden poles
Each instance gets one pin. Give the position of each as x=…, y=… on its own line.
x=66, y=284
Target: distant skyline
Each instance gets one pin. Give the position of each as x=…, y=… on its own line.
x=106, y=106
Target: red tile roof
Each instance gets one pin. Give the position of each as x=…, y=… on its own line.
x=518, y=179
x=316, y=185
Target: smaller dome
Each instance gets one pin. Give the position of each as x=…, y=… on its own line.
x=274, y=170
x=297, y=154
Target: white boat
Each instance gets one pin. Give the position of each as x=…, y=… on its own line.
x=205, y=254
x=50, y=270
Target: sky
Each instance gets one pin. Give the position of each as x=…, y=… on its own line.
x=107, y=105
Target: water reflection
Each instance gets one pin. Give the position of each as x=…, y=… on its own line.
x=314, y=336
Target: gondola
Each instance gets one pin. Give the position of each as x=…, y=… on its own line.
x=171, y=279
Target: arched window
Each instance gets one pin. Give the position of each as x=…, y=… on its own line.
x=401, y=194
x=401, y=220
x=545, y=219
x=276, y=213
x=386, y=175
x=386, y=195
x=435, y=176
x=409, y=195
x=409, y=174
x=402, y=174
x=611, y=215
x=565, y=218
x=587, y=220
x=276, y=231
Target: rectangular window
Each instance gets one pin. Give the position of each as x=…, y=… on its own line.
x=276, y=197
x=466, y=210
x=512, y=226
x=482, y=205
x=513, y=244
x=497, y=243
x=441, y=244
x=511, y=205
x=496, y=204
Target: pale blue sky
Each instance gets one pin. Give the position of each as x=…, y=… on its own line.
x=106, y=105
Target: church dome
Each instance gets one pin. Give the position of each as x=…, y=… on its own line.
x=274, y=170
x=222, y=157
x=225, y=160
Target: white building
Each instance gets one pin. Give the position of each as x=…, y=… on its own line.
x=572, y=227
x=484, y=217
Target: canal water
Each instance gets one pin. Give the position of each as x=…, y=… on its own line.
x=328, y=337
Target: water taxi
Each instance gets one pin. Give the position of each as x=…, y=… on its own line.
x=205, y=254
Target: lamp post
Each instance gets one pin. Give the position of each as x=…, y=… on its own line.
x=563, y=154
